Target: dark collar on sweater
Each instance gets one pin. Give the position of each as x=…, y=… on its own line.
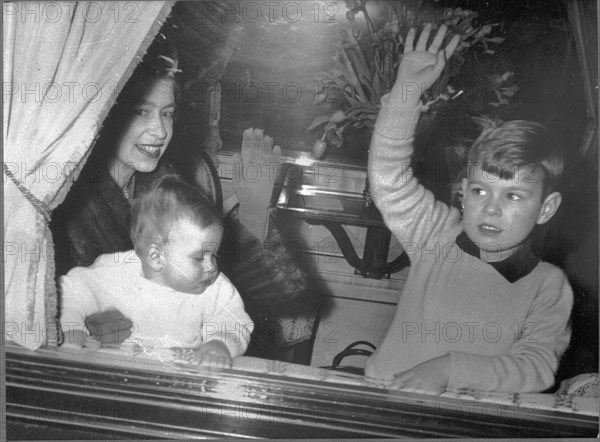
x=513, y=268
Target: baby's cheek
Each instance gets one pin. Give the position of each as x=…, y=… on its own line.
x=191, y=271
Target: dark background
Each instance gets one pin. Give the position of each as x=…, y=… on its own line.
x=270, y=79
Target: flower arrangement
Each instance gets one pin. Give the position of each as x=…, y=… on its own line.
x=366, y=64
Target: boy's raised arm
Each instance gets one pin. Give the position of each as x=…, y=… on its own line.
x=396, y=192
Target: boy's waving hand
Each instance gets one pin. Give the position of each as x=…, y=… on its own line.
x=421, y=66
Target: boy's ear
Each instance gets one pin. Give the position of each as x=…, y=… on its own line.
x=549, y=207
x=154, y=257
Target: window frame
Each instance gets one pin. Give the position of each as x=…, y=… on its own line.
x=122, y=396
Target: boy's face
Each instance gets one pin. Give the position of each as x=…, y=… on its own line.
x=500, y=214
x=190, y=264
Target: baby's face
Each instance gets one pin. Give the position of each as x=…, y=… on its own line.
x=500, y=214
x=190, y=257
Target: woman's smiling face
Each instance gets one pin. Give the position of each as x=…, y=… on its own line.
x=149, y=129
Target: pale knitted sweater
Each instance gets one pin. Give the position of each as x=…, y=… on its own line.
x=162, y=318
x=504, y=330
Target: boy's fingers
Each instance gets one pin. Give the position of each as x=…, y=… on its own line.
x=410, y=38
x=422, y=43
x=451, y=46
x=443, y=56
x=438, y=67
x=224, y=362
x=437, y=41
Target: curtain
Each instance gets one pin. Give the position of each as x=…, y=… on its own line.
x=583, y=16
x=64, y=64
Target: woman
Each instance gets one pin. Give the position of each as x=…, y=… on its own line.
x=94, y=219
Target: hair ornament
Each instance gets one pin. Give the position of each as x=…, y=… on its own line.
x=172, y=65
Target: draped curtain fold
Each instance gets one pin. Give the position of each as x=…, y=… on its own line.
x=583, y=17
x=63, y=68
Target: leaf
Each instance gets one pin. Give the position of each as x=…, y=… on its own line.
x=356, y=55
x=377, y=88
x=320, y=98
x=317, y=122
x=496, y=40
x=352, y=77
x=366, y=83
x=353, y=101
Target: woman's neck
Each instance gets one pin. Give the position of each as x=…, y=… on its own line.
x=121, y=173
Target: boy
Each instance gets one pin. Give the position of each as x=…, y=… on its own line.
x=169, y=286
x=478, y=310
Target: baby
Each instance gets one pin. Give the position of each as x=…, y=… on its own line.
x=169, y=286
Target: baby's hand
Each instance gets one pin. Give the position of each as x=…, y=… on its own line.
x=430, y=377
x=214, y=353
x=80, y=340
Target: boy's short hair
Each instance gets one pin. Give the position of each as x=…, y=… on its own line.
x=169, y=201
x=519, y=146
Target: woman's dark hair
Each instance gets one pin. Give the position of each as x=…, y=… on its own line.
x=160, y=62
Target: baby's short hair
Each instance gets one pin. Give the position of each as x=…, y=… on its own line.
x=505, y=148
x=169, y=201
